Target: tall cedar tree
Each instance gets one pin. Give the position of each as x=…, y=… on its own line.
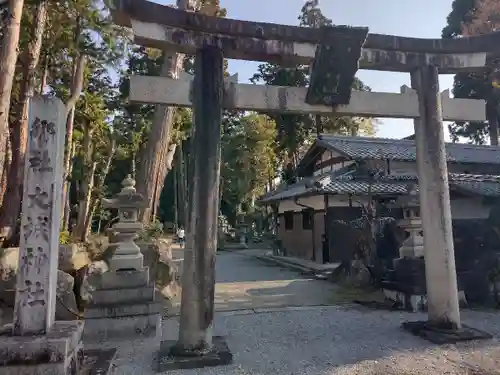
x=469, y=18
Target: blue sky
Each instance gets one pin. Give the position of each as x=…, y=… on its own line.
x=422, y=18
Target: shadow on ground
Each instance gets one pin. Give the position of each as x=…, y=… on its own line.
x=339, y=340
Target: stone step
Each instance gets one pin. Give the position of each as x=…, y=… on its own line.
x=105, y=297
x=122, y=310
x=119, y=328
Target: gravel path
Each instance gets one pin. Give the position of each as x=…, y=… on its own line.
x=319, y=340
x=327, y=340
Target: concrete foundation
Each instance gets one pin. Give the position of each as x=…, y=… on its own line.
x=124, y=304
x=440, y=336
x=220, y=355
x=58, y=352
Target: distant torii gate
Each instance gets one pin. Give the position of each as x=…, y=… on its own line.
x=211, y=39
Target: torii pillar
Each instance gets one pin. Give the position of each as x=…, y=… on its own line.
x=443, y=324
x=196, y=346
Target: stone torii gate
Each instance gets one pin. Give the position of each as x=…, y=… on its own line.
x=211, y=39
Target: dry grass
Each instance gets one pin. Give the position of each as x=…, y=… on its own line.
x=347, y=293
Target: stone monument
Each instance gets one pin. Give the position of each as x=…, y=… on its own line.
x=124, y=300
x=36, y=344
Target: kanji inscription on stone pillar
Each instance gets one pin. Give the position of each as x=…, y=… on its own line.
x=34, y=310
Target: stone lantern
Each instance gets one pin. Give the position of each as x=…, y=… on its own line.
x=127, y=255
x=413, y=246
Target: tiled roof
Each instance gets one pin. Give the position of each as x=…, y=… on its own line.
x=405, y=150
x=349, y=183
x=485, y=185
x=363, y=187
x=303, y=187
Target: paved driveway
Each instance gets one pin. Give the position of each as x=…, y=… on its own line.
x=245, y=283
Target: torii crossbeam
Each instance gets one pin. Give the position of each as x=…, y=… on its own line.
x=160, y=26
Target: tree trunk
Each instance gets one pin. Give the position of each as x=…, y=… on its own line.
x=99, y=185
x=84, y=204
x=93, y=203
x=181, y=186
x=75, y=89
x=8, y=59
x=87, y=185
x=5, y=172
x=160, y=164
x=176, y=192
x=45, y=75
x=19, y=130
x=165, y=168
x=158, y=139
x=159, y=136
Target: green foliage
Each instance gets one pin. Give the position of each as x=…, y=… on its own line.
x=467, y=18
x=248, y=160
x=294, y=132
x=64, y=237
x=462, y=12
x=151, y=231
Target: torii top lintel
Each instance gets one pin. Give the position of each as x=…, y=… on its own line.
x=190, y=26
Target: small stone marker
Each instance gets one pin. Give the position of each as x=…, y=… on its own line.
x=127, y=255
x=36, y=344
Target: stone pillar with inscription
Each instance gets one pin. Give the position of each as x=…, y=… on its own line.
x=124, y=301
x=35, y=343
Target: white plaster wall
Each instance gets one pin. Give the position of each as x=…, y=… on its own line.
x=327, y=155
x=289, y=205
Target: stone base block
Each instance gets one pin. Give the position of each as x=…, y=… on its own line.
x=122, y=279
x=411, y=302
x=122, y=310
x=415, y=302
x=59, y=352
x=98, y=361
x=121, y=327
x=121, y=262
x=123, y=295
x=220, y=355
x=442, y=336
